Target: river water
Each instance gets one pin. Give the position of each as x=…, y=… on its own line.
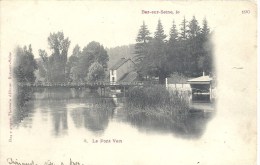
x=57, y=126
x=63, y=113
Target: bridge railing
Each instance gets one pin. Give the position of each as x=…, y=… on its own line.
x=97, y=83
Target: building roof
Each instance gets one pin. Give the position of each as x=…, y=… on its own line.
x=129, y=77
x=119, y=63
x=200, y=80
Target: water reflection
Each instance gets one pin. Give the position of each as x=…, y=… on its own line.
x=94, y=119
x=59, y=118
x=23, y=107
x=192, y=126
x=64, y=110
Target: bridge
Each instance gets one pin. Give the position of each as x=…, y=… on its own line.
x=97, y=84
x=102, y=85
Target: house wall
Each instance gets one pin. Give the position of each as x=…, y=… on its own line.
x=113, y=73
x=181, y=87
x=121, y=71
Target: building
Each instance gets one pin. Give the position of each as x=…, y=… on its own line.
x=123, y=70
x=177, y=83
x=201, y=88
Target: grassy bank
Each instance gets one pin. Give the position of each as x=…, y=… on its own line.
x=157, y=102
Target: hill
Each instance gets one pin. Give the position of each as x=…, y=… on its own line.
x=126, y=51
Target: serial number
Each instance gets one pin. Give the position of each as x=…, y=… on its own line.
x=245, y=11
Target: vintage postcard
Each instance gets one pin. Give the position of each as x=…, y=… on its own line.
x=128, y=82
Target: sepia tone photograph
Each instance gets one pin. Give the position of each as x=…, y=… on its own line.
x=109, y=82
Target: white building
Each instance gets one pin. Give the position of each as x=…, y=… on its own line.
x=123, y=68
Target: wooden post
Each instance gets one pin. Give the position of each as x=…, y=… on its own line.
x=210, y=93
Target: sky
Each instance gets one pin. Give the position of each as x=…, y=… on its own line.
x=110, y=23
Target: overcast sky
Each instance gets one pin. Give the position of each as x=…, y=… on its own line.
x=110, y=23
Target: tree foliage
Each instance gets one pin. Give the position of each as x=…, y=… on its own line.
x=71, y=67
x=142, y=40
x=55, y=64
x=80, y=62
x=59, y=68
x=173, y=34
x=24, y=72
x=187, y=52
x=96, y=72
x=184, y=30
x=159, y=33
x=25, y=64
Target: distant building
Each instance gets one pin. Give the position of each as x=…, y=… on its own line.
x=201, y=88
x=180, y=84
x=123, y=70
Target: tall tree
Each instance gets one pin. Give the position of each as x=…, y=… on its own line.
x=44, y=66
x=174, y=61
x=142, y=40
x=183, y=33
x=72, y=63
x=194, y=28
x=96, y=72
x=173, y=33
x=96, y=52
x=25, y=64
x=206, y=58
x=205, y=29
x=183, y=47
x=76, y=51
x=93, y=52
x=159, y=33
x=56, y=62
x=194, y=48
x=24, y=72
x=157, y=55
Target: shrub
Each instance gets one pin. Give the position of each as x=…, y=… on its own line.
x=157, y=101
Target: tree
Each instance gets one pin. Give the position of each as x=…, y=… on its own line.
x=25, y=64
x=96, y=72
x=45, y=67
x=194, y=48
x=183, y=33
x=159, y=33
x=205, y=29
x=142, y=39
x=173, y=34
x=194, y=28
x=206, y=58
x=96, y=52
x=76, y=51
x=93, y=52
x=188, y=52
x=55, y=64
x=173, y=52
x=71, y=67
x=154, y=64
x=24, y=72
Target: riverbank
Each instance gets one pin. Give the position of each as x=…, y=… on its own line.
x=158, y=102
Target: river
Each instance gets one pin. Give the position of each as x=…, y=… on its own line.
x=63, y=124
x=63, y=113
